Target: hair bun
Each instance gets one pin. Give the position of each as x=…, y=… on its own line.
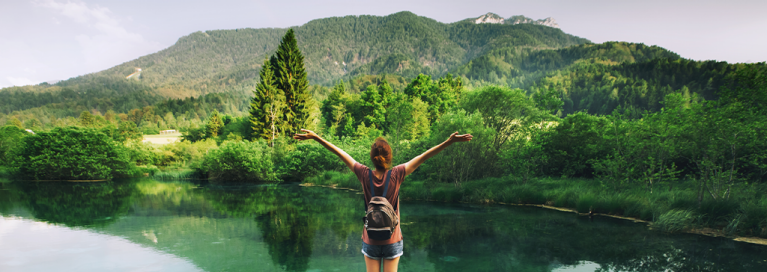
x=380, y=153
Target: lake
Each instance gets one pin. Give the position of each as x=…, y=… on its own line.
x=146, y=225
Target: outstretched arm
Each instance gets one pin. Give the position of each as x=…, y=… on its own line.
x=348, y=160
x=417, y=161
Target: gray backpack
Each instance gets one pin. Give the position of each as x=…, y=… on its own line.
x=380, y=217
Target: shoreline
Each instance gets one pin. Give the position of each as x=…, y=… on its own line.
x=702, y=231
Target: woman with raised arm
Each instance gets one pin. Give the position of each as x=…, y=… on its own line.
x=390, y=250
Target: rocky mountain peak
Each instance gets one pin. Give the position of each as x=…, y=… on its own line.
x=520, y=19
x=492, y=18
x=489, y=18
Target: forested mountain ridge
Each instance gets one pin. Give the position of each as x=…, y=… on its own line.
x=211, y=61
x=220, y=68
x=227, y=60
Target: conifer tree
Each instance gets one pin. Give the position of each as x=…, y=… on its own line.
x=267, y=106
x=290, y=77
x=215, y=124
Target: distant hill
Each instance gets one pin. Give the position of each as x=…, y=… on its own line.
x=335, y=48
x=220, y=67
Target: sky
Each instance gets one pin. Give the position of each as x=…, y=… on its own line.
x=47, y=40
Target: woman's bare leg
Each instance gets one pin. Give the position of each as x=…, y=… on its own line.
x=373, y=265
x=390, y=265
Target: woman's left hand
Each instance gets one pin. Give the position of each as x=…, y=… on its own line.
x=306, y=136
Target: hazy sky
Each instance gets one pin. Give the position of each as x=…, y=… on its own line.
x=43, y=40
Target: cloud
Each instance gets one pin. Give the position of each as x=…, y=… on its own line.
x=21, y=81
x=108, y=42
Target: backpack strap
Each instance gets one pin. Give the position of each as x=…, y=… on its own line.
x=386, y=184
x=372, y=187
x=373, y=193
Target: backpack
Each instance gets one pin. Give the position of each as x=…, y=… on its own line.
x=380, y=217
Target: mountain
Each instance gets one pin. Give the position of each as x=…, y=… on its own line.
x=334, y=48
x=219, y=68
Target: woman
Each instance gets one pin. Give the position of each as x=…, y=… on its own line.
x=390, y=250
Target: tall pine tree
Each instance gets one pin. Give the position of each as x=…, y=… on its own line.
x=290, y=77
x=267, y=105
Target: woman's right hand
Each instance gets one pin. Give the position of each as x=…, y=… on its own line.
x=455, y=137
x=309, y=135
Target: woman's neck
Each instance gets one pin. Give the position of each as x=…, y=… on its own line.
x=379, y=173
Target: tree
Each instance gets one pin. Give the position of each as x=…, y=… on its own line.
x=127, y=130
x=267, y=106
x=33, y=124
x=71, y=153
x=373, y=107
x=86, y=119
x=547, y=100
x=214, y=125
x=420, y=120
x=348, y=129
x=333, y=108
x=290, y=77
x=15, y=122
x=10, y=136
x=440, y=96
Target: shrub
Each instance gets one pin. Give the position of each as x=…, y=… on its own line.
x=240, y=161
x=460, y=162
x=71, y=153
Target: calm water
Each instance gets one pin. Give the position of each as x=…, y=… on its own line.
x=145, y=225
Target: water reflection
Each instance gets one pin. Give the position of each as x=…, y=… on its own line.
x=292, y=228
x=72, y=204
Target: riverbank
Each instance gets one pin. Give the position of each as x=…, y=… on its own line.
x=668, y=208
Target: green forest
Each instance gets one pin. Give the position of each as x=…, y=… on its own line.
x=614, y=128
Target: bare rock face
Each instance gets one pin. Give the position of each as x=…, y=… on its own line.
x=520, y=19
x=489, y=18
x=492, y=18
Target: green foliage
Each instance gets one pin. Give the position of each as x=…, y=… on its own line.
x=77, y=205
x=70, y=153
x=86, y=119
x=464, y=161
x=267, y=106
x=333, y=109
x=573, y=143
x=240, y=161
x=127, y=131
x=373, y=104
x=296, y=162
x=214, y=125
x=674, y=221
x=185, y=154
x=440, y=96
x=194, y=134
x=290, y=78
x=15, y=122
x=10, y=137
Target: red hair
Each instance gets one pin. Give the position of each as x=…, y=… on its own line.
x=380, y=154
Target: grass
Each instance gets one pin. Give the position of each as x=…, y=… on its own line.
x=670, y=209
x=674, y=220
x=175, y=175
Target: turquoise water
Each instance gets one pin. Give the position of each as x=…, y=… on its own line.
x=146, y=225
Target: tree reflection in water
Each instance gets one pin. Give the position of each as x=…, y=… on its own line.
x=305, y=228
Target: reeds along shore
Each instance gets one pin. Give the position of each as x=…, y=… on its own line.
x=672, y=209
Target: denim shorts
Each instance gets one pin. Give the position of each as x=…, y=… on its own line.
x=389, y=252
